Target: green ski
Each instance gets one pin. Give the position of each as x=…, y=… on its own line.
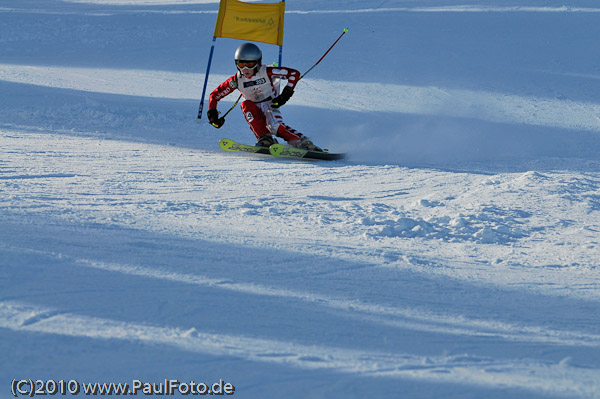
x=283, y=151
x=230, y=145
x=278, y=150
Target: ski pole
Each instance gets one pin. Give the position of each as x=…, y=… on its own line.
x=233, y=106
x=328, y=50
x=222, y=118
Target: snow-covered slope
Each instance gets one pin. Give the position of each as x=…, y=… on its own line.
x=454, y=254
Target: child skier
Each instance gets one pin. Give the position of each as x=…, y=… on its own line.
x=259, y=84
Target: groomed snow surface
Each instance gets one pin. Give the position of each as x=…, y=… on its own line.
x=454, y=254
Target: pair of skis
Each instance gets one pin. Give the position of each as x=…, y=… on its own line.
x=279, y=150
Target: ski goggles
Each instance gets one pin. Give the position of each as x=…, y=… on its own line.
x=245, y=64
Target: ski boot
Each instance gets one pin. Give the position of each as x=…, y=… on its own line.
x=304, y=144
x=266, y=140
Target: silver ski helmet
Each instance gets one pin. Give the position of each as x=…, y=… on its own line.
x=246, y=55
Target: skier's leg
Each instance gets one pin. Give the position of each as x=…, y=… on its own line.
x=255, y=118
x=288, y=134
x=273, y=117
x=294, y=138
x=274, y=121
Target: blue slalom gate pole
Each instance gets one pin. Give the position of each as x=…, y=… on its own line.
x=212, y=49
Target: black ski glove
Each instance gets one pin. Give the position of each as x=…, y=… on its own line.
x=213, y=118
x=283, y=98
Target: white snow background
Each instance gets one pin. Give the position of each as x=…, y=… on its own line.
x=454, y=254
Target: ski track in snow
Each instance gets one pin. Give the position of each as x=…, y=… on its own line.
x=393, y=316
x=495, y=107
x=497, y=211
x=555, y=379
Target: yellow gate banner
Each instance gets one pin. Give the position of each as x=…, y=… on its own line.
x=256, y=22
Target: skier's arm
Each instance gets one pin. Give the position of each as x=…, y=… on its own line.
x=292, y=76
x=223, y=90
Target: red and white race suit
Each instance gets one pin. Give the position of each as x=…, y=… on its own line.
x=258, y=91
